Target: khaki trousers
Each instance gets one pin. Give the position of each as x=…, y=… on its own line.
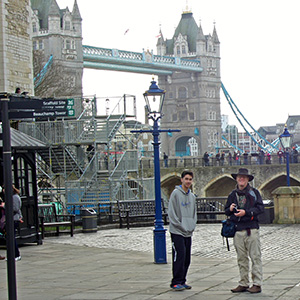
x=248, y=247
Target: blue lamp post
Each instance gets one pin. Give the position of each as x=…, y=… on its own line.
x=154, y=98
x=286, y=141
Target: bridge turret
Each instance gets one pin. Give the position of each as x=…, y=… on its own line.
x=192, y=101
x=161, y=44
x=216, y=41
x=201, y=42
x=53, y=18
x=76, y=19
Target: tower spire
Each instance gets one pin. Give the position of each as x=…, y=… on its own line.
x=215, y=35
x=187, y=9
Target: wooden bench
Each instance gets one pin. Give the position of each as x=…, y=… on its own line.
x=49, y=217
x=134, y=209
x=208, y=208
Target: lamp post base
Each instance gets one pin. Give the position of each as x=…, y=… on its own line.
x=159, y=240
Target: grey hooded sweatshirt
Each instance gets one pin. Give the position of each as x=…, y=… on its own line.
x=182, y=212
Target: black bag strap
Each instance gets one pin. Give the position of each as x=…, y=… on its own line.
x=227, y=243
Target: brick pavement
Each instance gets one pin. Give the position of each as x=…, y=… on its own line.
x=118, y=264
x=280, y=242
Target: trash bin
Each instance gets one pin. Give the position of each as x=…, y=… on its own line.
x=89, y=220
x=268, y=216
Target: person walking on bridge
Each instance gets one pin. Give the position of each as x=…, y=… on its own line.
x=182, y=214
x=243, y=206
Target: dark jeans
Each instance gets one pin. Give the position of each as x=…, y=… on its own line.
x=181, y=258
x=17, y=252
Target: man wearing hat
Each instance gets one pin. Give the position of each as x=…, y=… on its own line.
x=243, y=206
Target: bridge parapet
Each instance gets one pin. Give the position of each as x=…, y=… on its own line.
x=216, y=181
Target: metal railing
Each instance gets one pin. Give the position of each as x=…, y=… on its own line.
x=211, y=209
x=197, y=161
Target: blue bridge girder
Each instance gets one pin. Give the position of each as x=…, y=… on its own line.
x=144, y=62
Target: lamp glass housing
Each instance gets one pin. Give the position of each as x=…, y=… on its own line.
x=154, y=98
x=286, y=139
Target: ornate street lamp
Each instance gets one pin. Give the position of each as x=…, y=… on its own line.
x=286, y=142
x=154, y=98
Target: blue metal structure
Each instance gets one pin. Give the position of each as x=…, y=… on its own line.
x=40, y=76
x=235, y=110
x=232, y=145
x=145, y=62
x=286, y=141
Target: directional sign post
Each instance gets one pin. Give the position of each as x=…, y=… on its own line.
x=29, y=108
x=11, y=267
x=15, y=108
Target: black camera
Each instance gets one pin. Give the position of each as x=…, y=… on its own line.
x=235, y=210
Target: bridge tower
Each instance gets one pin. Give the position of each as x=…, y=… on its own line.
x=192, y=101
x=57, y=32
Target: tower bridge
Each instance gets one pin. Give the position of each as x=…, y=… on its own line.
x=187, y=66
x=188, y=69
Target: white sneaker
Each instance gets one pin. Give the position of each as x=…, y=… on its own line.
x=18, y=258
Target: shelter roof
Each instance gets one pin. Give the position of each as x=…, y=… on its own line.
x=21, y=140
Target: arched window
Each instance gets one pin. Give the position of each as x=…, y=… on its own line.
x=34, y=29
x=68, y=44
x=178, y=50
x=183, y=51
x=193, y=146
x=182, y=93
x=67, y=25
x=211, y=115
x=150, y=146
x=212, y=137
x=40, y=44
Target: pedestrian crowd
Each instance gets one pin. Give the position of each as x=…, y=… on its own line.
x=246, y=158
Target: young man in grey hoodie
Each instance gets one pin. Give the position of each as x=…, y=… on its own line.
x=182, y=222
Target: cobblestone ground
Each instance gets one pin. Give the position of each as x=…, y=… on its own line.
x=279, y=242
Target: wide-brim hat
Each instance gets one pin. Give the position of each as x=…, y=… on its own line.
x=244, y=172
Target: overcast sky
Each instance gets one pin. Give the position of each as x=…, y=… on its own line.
x=260, y=49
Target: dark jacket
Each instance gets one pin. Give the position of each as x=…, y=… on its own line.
x=252, y=205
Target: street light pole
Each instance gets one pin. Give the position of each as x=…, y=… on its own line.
x=286, y=142
x=154, y=113
x=287, y=167
x=159, y=235
x=10, y=239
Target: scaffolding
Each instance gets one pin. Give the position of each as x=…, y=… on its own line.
x=91, y=158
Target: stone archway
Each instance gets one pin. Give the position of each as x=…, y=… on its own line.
x=279, y=180
x=221, y=187
x=168, y=184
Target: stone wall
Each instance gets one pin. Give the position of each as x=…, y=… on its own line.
x=287, y=204
x=15, y=46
